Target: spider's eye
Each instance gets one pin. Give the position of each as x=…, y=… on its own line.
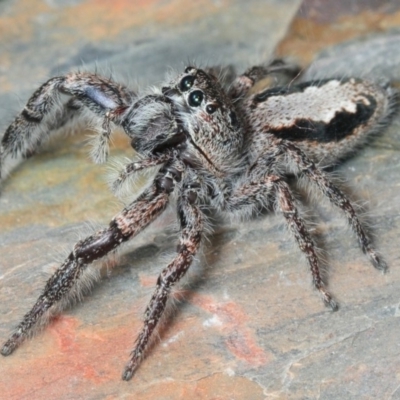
x=195, y=98
x=186, y=83
x=211, y=108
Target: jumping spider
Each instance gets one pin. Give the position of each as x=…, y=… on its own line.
x=217, y=146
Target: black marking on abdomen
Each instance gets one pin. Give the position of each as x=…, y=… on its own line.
x=341, y=126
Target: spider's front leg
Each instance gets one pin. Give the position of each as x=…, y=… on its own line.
x=191, y=227
x=258, y=193
x=124, y=226
x=62, y=100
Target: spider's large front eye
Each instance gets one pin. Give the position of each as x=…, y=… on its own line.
x=186, y=83
x=195, y=98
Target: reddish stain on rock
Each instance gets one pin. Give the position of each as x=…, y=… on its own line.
x=241, y=339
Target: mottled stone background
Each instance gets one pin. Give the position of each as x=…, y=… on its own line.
x=248, y=325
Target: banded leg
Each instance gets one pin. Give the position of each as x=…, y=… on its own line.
x=296, y=224
x=48, y=109
x=123, y=227
x=337, y=198
x=243, y=83
x=191, y=224
x=263, y=192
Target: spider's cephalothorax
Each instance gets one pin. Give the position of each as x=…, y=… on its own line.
x=217, y=146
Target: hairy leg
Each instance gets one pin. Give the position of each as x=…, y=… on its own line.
x=336, y=197
x=123, y=227
x=243, y=83
x=191, y=225
x=57, y=102
x=260, y=193
x=289, y=210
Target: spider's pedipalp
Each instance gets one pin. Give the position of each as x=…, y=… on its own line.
x=131, y=170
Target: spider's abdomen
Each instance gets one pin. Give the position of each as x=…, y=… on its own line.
x=328, y=119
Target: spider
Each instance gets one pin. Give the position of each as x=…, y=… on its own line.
x=217, y=144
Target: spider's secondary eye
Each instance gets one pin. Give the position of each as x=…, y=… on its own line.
x=211, y=108
x=196, y=98
x=186, y=83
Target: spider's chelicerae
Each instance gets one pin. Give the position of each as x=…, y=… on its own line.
x=217, y=146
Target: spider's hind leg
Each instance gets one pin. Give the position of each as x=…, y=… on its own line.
x=257, y=193
x=280, y=72
x=287, y=206
x=338, y=199
x=57, y=103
